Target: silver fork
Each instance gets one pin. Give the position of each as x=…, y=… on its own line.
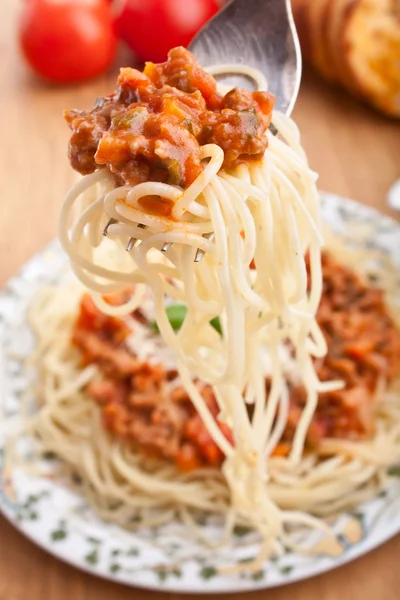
x=257, y=33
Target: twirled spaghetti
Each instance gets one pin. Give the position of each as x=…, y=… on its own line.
x=171, y=163
x=263, y=210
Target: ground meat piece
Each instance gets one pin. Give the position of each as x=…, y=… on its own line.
x=101, y=339
x=114, y=359
x=87, y=131
x=241, y=99
x=182, y=71
x=241, y=134
x=108, y=391
x=88, y=128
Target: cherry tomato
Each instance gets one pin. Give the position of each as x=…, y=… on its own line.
x=67, y=40
x=152, y=27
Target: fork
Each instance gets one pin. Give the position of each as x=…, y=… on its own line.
x=257, y=33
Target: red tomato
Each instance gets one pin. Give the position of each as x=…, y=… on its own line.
x=67, y=40
x=152, y=27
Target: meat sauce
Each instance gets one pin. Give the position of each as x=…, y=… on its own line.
x=131, y=394
x=363, y=349
x=152, y=128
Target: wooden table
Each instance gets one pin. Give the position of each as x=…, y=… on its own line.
x=357, y=154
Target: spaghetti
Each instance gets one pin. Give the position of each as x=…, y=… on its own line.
x=136, y=489
x=264, y=211
x=170, y=161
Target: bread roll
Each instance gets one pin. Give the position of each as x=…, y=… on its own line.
x=355, y=43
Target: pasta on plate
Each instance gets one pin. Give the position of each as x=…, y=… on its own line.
x=204, y=372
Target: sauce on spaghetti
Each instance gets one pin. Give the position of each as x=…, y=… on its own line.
x=363, y=350
x=152, y=128
x=133, y=399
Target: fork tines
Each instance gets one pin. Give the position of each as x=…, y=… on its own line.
x=166, y=246
x=110, y=222
x=200, y=253
x=132, y=241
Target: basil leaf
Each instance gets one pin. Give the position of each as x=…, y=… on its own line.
x=216, y=324
x=176, y=314
x=394, y=471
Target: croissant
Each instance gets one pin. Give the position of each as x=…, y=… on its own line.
x=355, y=43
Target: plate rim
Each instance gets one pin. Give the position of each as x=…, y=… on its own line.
x=359, y=551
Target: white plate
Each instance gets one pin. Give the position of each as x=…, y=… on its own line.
x=63, y=524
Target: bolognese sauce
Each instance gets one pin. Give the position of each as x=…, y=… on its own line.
x=152, y=128
x=139, y=405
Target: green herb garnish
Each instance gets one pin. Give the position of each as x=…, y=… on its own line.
x=394, y=471
x=216, y=323
x=176, y=314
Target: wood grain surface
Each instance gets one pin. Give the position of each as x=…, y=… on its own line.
x=357, y=154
